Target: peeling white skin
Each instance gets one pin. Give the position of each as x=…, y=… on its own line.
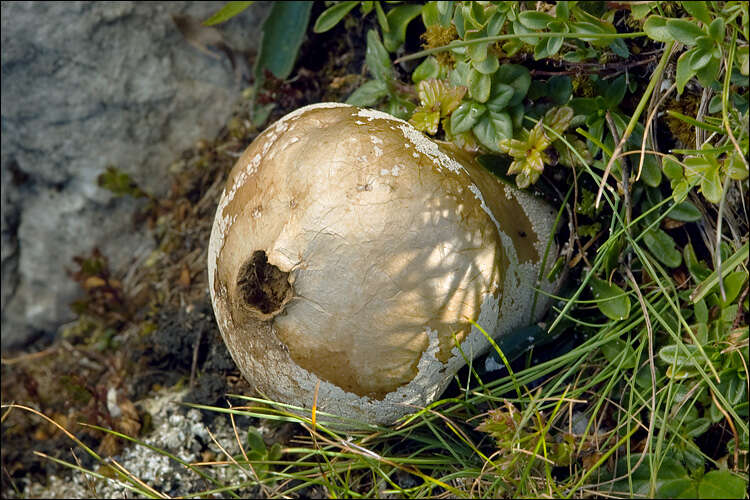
x=387, y=254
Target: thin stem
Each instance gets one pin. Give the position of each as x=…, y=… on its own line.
x=497, y=38
x=634, y=119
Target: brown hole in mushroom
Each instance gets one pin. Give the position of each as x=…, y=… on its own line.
x=264, y=288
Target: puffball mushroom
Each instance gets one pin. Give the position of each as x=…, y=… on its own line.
x=353, y=253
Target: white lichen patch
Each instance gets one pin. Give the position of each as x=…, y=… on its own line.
x=374, y=114
x=478, y=195
x=430, y=149
x=321, y=105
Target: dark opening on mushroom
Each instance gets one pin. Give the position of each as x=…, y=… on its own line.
x=264, y=287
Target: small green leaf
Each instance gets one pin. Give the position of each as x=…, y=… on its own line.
x=492, y=128
x=516, y=76
x=554, y=44
x=399, y=107
x=699, y=59
x=227, y=12
x=701, y=311
x=716, y=29
x=615, y=348
x=743, y=59
x=681, y=190
x=722, y=484
x=560, y=89
x=672, y=168
x=733, y=285
x=429, y=68
x=283, y=32
x=559, y=118
x=466, y=116
x=562, y=10
x=712, y=280
x=711, y=185
x=615, y=92
x=398, y=19
x=479, y=85
x=684, y=31
x=430, y=93
x=567, y=157
x=332, y=15
x=696, y=167
x=501, y=96
x=698, y=10
x=675, y=355
x=425, y=120
x=684, y=70
x=377, y=58
x=619, y=47
x=585, y=105
x=662, y=246
x=736, y=168
x=698, y=270
x=540, y=50
x=488, y=66
x=640, y=477
x=275, y=452
x=685, y=212
x=677, y=488
x=656, y=29
x=611, y=299
x=707, y=74
x=651, y=174
x=514, y=147
x=639, y=11
x=382, y=19
x=368, y=94
x=430, y=14
x=534, y=20
x=477, y=52
x=255, y=442
x=460, y=74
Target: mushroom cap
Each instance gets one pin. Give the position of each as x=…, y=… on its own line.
x=350, y=251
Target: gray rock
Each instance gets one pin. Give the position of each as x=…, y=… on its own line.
x=86, y=85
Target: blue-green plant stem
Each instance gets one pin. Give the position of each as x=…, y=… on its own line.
x=512, y=36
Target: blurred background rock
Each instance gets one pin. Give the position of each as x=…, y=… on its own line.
x=86, y=85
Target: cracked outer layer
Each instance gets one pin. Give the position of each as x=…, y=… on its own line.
x=349, y=249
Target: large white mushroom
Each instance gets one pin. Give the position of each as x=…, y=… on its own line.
x=351, y=251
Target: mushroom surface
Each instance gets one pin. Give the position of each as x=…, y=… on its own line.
x=351, y=251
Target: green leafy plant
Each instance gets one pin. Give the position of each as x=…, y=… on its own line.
x=384, y=84
x=528, y=153
x=436, y=101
